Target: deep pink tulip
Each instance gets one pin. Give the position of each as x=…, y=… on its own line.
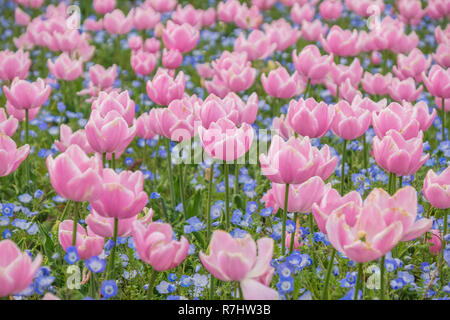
x=293, y=161
x=436, y=188
x=14, y=64
x=104, y=227
x=163, y=88
x=279, y=84
x=88, y=244
x=145, y=18
x=311, y=64
x=312, y=31
x=398, y=118
x=404, y=90
x=123, y=196
x=257, y=45
x=117, y=23
x=68, y=138
x=27, y=95
x=155, y=245
x=282, y=33
x=350, y=121
x=183, y=37
x=143, y=63
x=11, y=156
x=302, y=13
x=65, y=68
x=331, y=201
x=75, y=176
x=109, y=133
x=376, y=84
x=395, y=154
x=411, y=65
x=340, y=42
x=104, y=6
x=224, y=141
x=438, y=82
x=171, y=59
x=18, y=270
x=9, y=125
x=330, y=9
x=101, y=77
x=310, y=118
x=120, y=102
x=242, y=260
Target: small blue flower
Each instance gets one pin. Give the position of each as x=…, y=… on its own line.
x=285, y=285
x=8, y=209
x=185, y=281
x=155, y=195
x=397, y=283
x=71, y=256
x=25, y=198
x=172, y=277
x=165, y=287
x=96, y=264
x=284, y=270
x=109, y=288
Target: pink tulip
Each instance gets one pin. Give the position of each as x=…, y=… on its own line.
x=10, y=156
x=104, y=227
x=280, y=84
x=67, y=41
x=242, y=260
x=123, y=196
x=231, y=107
x=145, y=18
x=135, y=43
x=368, y=104
x=282, y=33
x=163, y=5
x=65, y=68
x=404, y=90
x=410, y=11
x=421, y=113
x=172, y=59
x=109, y=133
x=144, y=128
x=376, y=84
x=143, y=63
x=257, y=45
x=263, y=4
x=412, y=65
x=437, y=9
x=183, y=37
x=350, y=121
x=19, y=114
x=395, y=154
x=291, y=162
x=331, y=201
x=442, y=55
x=311, y=64
x=101, y=77
x=361, y=7
x=340, y=73
x=302, y=13
x=310, y=118
x=224, y=141
x=282, y=128
x=437, y=82
x=117, y=23
x=188, y=14
x=27, y=95
x=18, y=270
x=327, y=163
x=88, y=244
x=301, y=196
x=152, y=45
x=398, y=118
x=120, y=102
x=208, y=17
x=312, y=31
x=21, y=17
x=104, y=6
x=248, y=18
x=155, y=245
x=436, y=241
x=405, y=43
x=330, y=9
x=438, y=102
x=68, y=138
x=436, y=188
x=226, y=11
x=442, y=36
x=75, y=176
x=14, y=64
x=9, y=125
x=91, y=24
x=340, y=42
x=163, y=88
x=402, y=207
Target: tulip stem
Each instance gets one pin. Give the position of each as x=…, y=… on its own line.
x=443, y=119
x=211, y=287
x=114, y=248
x=27, y=163
x=283, y=232
x=311, y=238
x=344, y=151
x=236, y=177
x=400, y=182
x=151, y=283
x=308, y=84
x=391, y=183
x=358, y=281
x=443, y=244
x=366, y=162
x=103, y=159
x=169, y=164
x=241, y=295
x=182, y=191
x=382, y=278
x=291, y=246
x=327, y=278
x=76, y=208
x=227, y=191
x=208, y=209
